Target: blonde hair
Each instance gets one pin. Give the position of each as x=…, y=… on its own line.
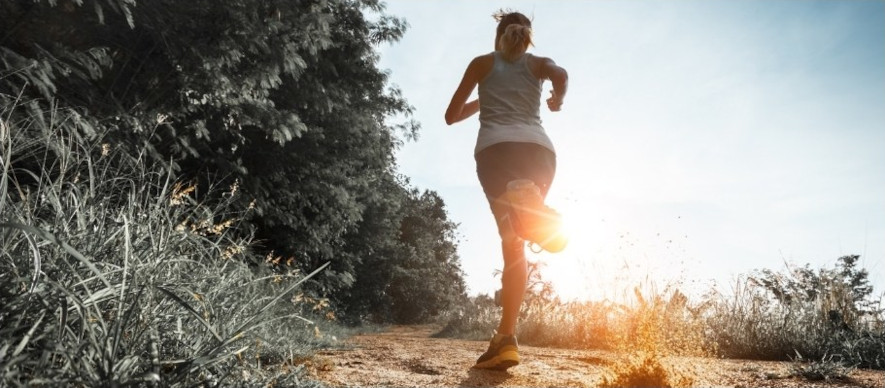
x=514, y=33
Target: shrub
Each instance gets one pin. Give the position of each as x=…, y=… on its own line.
x=824, y=313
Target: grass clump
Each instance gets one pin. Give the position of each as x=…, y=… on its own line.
x=113, y=273
x=825, y=369
x=473, y=319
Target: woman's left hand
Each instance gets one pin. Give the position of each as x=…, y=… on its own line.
x=554, y=102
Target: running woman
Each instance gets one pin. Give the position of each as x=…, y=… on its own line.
x=511, y=146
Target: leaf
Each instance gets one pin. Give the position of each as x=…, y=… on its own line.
x=24, y=341
x=193, y=312
x=55, y=240
x=280, y=296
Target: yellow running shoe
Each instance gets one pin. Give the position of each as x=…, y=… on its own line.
x=503, y=353
x=531, y=219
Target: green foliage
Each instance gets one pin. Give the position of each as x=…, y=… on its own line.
x=282, y=99
x=112, y=274
x=843, y=293
x=472, y=319
x=209, y=68
x=173, y=171
x=412, y=275
x=773, y=315
x=426, y=277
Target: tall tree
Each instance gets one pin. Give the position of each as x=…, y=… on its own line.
x=414, y=273
x=282, y=98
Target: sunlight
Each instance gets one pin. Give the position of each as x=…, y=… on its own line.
x=572, y=272
x=613, y=247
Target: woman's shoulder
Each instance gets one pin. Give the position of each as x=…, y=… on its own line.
x=484, y=59
x=481, y=65
x=537, y=63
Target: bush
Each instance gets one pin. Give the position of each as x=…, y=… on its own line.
x=824, y=313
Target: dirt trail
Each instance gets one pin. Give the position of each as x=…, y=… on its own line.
x=406, y=356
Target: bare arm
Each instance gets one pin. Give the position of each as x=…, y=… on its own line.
x=559, y=77
x=459, y=109
x=467, y=109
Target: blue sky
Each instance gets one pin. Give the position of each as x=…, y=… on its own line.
x=699, y=139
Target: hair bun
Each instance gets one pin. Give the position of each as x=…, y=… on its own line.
x=515, y=40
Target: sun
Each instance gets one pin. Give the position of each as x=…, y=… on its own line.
x=570, y=271
x=613, y=246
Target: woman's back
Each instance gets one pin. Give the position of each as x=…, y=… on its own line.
x=510, y=94
x=509, y=104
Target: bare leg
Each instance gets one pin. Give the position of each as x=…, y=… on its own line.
x=513, y=283
x=515, y=274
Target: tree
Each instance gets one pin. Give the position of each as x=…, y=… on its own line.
x=426, y=279
x=222, y=88
x=322, y=179
x=415, y=274
x=282, y=99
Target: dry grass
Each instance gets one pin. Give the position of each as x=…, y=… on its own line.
x=645, y=369
x=824, y=320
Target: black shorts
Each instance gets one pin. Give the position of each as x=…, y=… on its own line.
x=503, y=162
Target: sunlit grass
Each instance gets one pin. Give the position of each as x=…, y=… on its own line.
x=821, y=320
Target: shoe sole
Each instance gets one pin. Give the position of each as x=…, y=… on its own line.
x=500, y=362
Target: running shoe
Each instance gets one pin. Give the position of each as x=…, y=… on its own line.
x=502, y=354
x=531, y=219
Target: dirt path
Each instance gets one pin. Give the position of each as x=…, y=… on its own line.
x=406, y=356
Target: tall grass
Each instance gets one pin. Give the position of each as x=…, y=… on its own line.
x=828, y=325
x=749, y=322
x=113, y=274
x=652, y=321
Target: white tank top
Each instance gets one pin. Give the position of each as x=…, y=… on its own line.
x=509, y=105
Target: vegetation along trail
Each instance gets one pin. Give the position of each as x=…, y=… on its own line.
x=409, y=356
x=208, y=193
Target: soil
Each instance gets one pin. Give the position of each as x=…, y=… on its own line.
x=407, y=356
